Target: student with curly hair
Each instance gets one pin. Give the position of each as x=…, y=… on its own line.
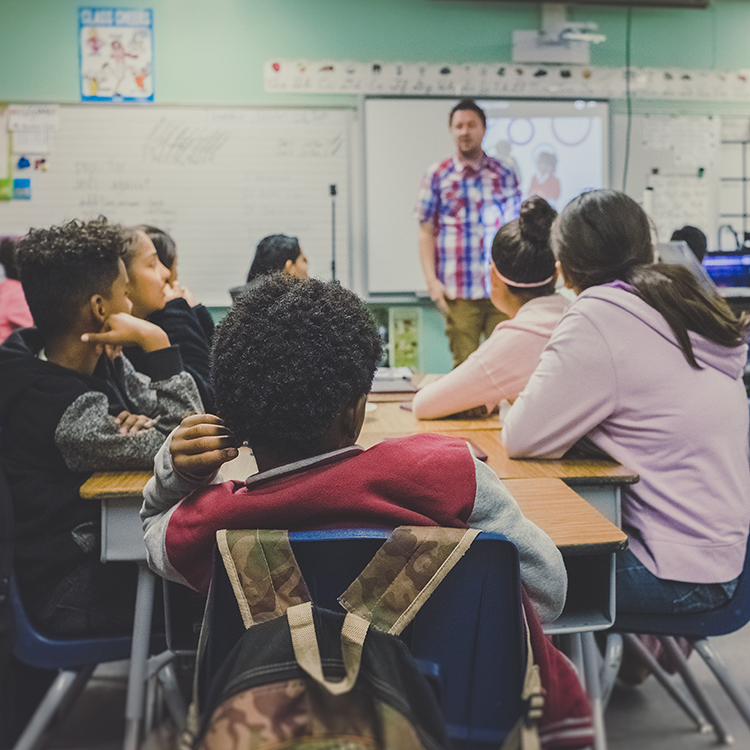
x=68, y=408
x=293, y=363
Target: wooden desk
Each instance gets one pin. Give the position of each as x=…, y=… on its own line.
x=573, y=525
x=390, y=420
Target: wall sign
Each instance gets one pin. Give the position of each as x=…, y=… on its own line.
x=116, y=50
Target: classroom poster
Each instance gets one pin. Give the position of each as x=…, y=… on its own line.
x=116, y=50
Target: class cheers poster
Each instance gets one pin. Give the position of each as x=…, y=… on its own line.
x=116, y=54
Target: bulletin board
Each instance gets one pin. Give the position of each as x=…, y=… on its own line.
x=218, y=180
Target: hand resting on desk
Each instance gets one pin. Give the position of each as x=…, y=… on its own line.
x=201, y=444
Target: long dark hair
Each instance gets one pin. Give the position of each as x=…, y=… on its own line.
x=604, y=236
x=521, y=249
x=272, y=254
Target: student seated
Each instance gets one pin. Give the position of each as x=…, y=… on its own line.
x=166, y=251
x=293, y=363
x=68, y=409
x=277, y=252
x=14, y=312
x=523, y=275
x=647, y=365
x=694, y=238
x=154, y=300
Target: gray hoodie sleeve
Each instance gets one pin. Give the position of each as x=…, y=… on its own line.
x=89, y=439
x=161, y=495
x=542, y=569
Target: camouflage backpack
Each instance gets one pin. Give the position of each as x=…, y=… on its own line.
x=305, y=677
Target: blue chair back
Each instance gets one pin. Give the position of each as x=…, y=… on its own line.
x=726, y=619
x=468, y=638
x=36, y=649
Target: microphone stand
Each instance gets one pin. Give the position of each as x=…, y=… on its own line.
x=333, y=232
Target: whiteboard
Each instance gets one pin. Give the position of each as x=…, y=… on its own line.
x=678, y=159
x=218, y=180
x=403, y=137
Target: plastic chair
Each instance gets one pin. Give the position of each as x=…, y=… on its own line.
x=76, y=658
x=697, y=628
x=467, y=639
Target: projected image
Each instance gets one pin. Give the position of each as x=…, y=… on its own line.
x=554, y=157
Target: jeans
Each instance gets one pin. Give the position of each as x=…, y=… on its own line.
x=93, y=599
x=640, y=592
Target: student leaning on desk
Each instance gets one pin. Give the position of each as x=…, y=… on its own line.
x=522, y=276
x=648, y=366
x=67, y=409
x=293, y=363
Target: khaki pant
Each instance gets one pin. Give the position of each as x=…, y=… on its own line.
x=467, y=321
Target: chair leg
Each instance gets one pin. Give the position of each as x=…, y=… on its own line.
x=591, y=667
x=708, y=708
x=656, y=669
x=610, y=665
x=63, y=690
x=173, y=697
x=725, y=678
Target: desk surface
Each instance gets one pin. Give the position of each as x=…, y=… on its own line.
x=573, y=524
x=390, y=418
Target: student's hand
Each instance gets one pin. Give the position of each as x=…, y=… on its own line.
x=122, y=329
x=477, y=412
x=131, y=424
x=200, y=445
x=177, y=290
x=439, y=295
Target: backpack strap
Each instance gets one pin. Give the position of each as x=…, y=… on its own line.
x=525, y=732
x=305, y=643
x=405, y=571
x=264, y=573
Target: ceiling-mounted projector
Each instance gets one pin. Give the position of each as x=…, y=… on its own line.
x=558, y=41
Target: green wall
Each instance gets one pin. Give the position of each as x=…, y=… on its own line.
x=213, y=52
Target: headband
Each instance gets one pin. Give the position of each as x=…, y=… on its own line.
x=522, y=285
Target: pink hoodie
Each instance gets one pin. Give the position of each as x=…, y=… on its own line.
x=14, y=312
x=500, y=368
x=613, y=371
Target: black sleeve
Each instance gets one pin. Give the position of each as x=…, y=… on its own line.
x=206, y=321
x=181, y=323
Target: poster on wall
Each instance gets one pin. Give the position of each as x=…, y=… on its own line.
x=116, y=50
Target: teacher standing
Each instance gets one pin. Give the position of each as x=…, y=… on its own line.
x=462, y=203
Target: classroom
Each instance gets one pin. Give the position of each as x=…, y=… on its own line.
x=215, y=125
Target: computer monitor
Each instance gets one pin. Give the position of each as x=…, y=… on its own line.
x=679, y=253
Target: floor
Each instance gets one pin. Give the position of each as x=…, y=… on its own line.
x=641, y=718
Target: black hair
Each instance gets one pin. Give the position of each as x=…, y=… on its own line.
x=63, y=267
x=695, y=239
x=166, y=248
x=288, y=357
x=603, y=235
x=272, y=253
x=471, y=106
x=521, y=249
x=8, y=257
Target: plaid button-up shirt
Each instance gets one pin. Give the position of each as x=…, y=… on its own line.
x=466, y=207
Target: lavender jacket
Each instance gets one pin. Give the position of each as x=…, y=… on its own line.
x=613, y=371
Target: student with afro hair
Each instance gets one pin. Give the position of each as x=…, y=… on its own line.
x=293, y=363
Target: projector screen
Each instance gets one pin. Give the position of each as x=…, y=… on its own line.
x=557, y=148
